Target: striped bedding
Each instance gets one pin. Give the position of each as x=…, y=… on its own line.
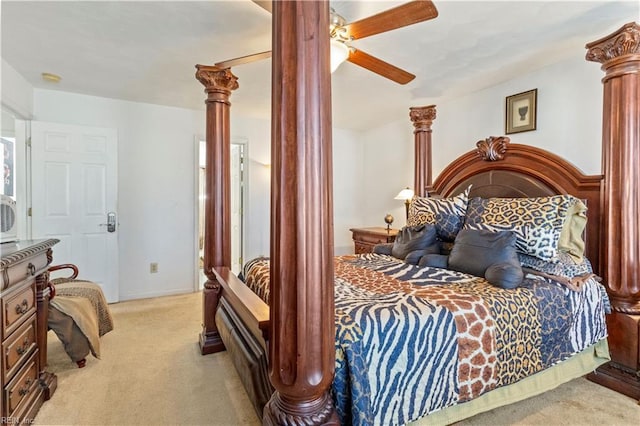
x=411, y=341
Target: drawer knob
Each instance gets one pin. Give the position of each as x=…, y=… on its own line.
x=23, y=307
x=25, y=345
x=31, y=268
x=25, y=389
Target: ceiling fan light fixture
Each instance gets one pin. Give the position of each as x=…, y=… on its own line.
x=339, y=54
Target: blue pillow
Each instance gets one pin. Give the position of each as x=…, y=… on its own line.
x=487, y=254
x=412, y=238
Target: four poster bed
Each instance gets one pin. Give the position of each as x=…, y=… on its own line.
x=482, y=347
x=380, y=319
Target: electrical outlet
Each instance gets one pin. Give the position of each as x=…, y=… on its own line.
x=153, y=267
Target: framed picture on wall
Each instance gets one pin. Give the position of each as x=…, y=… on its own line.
x=521, y=112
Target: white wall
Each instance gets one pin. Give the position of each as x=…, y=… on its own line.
x=156, y=159
x=347, y=184
x=16, y=92
x=569, y=115
x=348, y=188
x=388, y=168
x=569, y=124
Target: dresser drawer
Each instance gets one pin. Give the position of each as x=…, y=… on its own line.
x=18, y=347
x=23, y=385
x=372, y=239
x=24, y=270
x=361, y=247
x=364, y=239
x=16, y=307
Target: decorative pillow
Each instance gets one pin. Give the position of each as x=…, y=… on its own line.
x=536, y=222
x=477, y=252
x=447, y=214
x=564, y=265
x=411, y=238
x=571, y=240
x=504, y=275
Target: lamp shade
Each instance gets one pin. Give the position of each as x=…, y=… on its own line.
x=339, y=54
x=405, y=194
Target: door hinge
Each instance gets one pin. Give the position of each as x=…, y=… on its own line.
x=29, y=212
x=29, y=141
x=240, y=260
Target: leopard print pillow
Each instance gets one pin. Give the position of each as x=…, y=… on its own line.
x=537, y=222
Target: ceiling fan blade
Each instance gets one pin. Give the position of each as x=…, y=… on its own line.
x=398, y=17
x=244, y=60
x=265, y=4
x=380, y=67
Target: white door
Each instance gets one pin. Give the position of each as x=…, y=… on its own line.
x=74, y=191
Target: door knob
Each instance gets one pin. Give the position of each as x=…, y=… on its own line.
x=111, y=222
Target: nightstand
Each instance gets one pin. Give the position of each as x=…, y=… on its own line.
x=365, y=238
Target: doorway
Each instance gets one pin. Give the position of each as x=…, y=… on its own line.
x=238, y=203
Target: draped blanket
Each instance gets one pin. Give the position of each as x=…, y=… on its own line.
x=85, y=303
x=411, y=340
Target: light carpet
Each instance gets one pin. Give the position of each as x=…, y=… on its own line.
x=151, y=373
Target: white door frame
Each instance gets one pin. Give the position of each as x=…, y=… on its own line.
x=22, y=166
x=196, y=217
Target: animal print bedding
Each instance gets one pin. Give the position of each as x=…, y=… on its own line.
x=411, y=341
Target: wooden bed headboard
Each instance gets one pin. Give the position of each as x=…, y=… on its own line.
x=498, y=168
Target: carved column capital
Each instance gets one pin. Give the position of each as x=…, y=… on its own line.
x=422, y=117
x=625, y=41
x=216, y=80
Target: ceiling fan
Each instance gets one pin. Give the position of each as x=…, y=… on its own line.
x=342, y=34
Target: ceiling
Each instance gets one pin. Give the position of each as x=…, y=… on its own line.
x=145, y=51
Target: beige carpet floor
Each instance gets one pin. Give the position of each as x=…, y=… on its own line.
x=151, y=373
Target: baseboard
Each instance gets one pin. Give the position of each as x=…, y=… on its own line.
x=151, y=294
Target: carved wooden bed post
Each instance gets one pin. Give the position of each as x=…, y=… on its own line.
x=218, y=85
x=422, y=118
x=302, y=345
x=619, y=54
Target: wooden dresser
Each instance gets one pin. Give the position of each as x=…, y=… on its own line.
x=24, y=294
x=365, y=238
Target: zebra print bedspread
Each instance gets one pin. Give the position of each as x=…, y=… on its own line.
x=411, y=340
